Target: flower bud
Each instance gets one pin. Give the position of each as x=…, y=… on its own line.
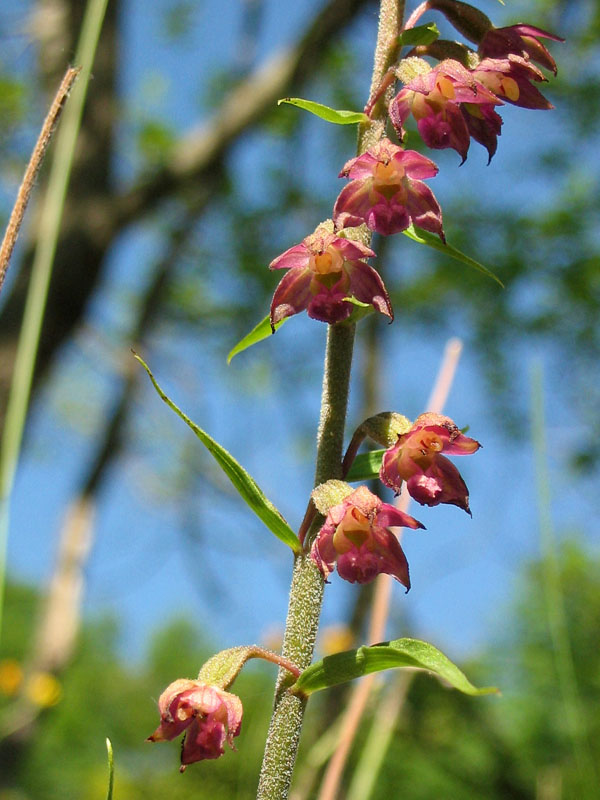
x=208, y=715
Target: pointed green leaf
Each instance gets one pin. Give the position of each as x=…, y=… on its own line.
x=245, y=484
x=431, y=240
x=343, y=667
x=365, y=466
x=326, y=113
x=257, y=334
x=422, y=34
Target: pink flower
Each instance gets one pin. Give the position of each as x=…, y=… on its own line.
x=324, y=270
x=387, y=192
x=356, y=537
x=208, y=715
x=509, y=78
x=521, y=40
x=434, y=99
x=416, y=458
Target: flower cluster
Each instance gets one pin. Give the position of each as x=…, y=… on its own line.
x=452, y=103
x=456, y=100
x=355, y=536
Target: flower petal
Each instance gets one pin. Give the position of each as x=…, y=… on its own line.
x=415, y=165
x=359, y=167
x=294, y=257
x=391, y=517
x=292, y=294
x=366, y=285
x=424, y=209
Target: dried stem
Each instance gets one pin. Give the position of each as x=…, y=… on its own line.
x=35, y=162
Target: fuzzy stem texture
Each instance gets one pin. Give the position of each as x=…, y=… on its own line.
x=306, y=593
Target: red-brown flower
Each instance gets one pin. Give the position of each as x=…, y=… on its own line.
x=323, y=271
x=434, y=98
x=355, y=536
x=208, y=715
x=387, y=193
x=417, y=459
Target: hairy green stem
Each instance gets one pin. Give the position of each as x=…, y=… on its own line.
x=306, y=593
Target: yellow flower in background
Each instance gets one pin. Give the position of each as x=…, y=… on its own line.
x=335, y=639
x=43, y=689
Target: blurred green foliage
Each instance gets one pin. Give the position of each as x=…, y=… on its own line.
x=444, y=744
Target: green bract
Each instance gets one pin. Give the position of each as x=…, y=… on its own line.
x=422, y=34
x=343, y=667
x=245, y=484
x=365, y=466
x=257, y=334
x=337, y=117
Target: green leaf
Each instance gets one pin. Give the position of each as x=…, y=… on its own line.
x=326, y=113
x=257, y=334
x=111, y=770
x=241, y=480
x=343, y=667
x=431, y=240
x=365, y=466
x=422, y=34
